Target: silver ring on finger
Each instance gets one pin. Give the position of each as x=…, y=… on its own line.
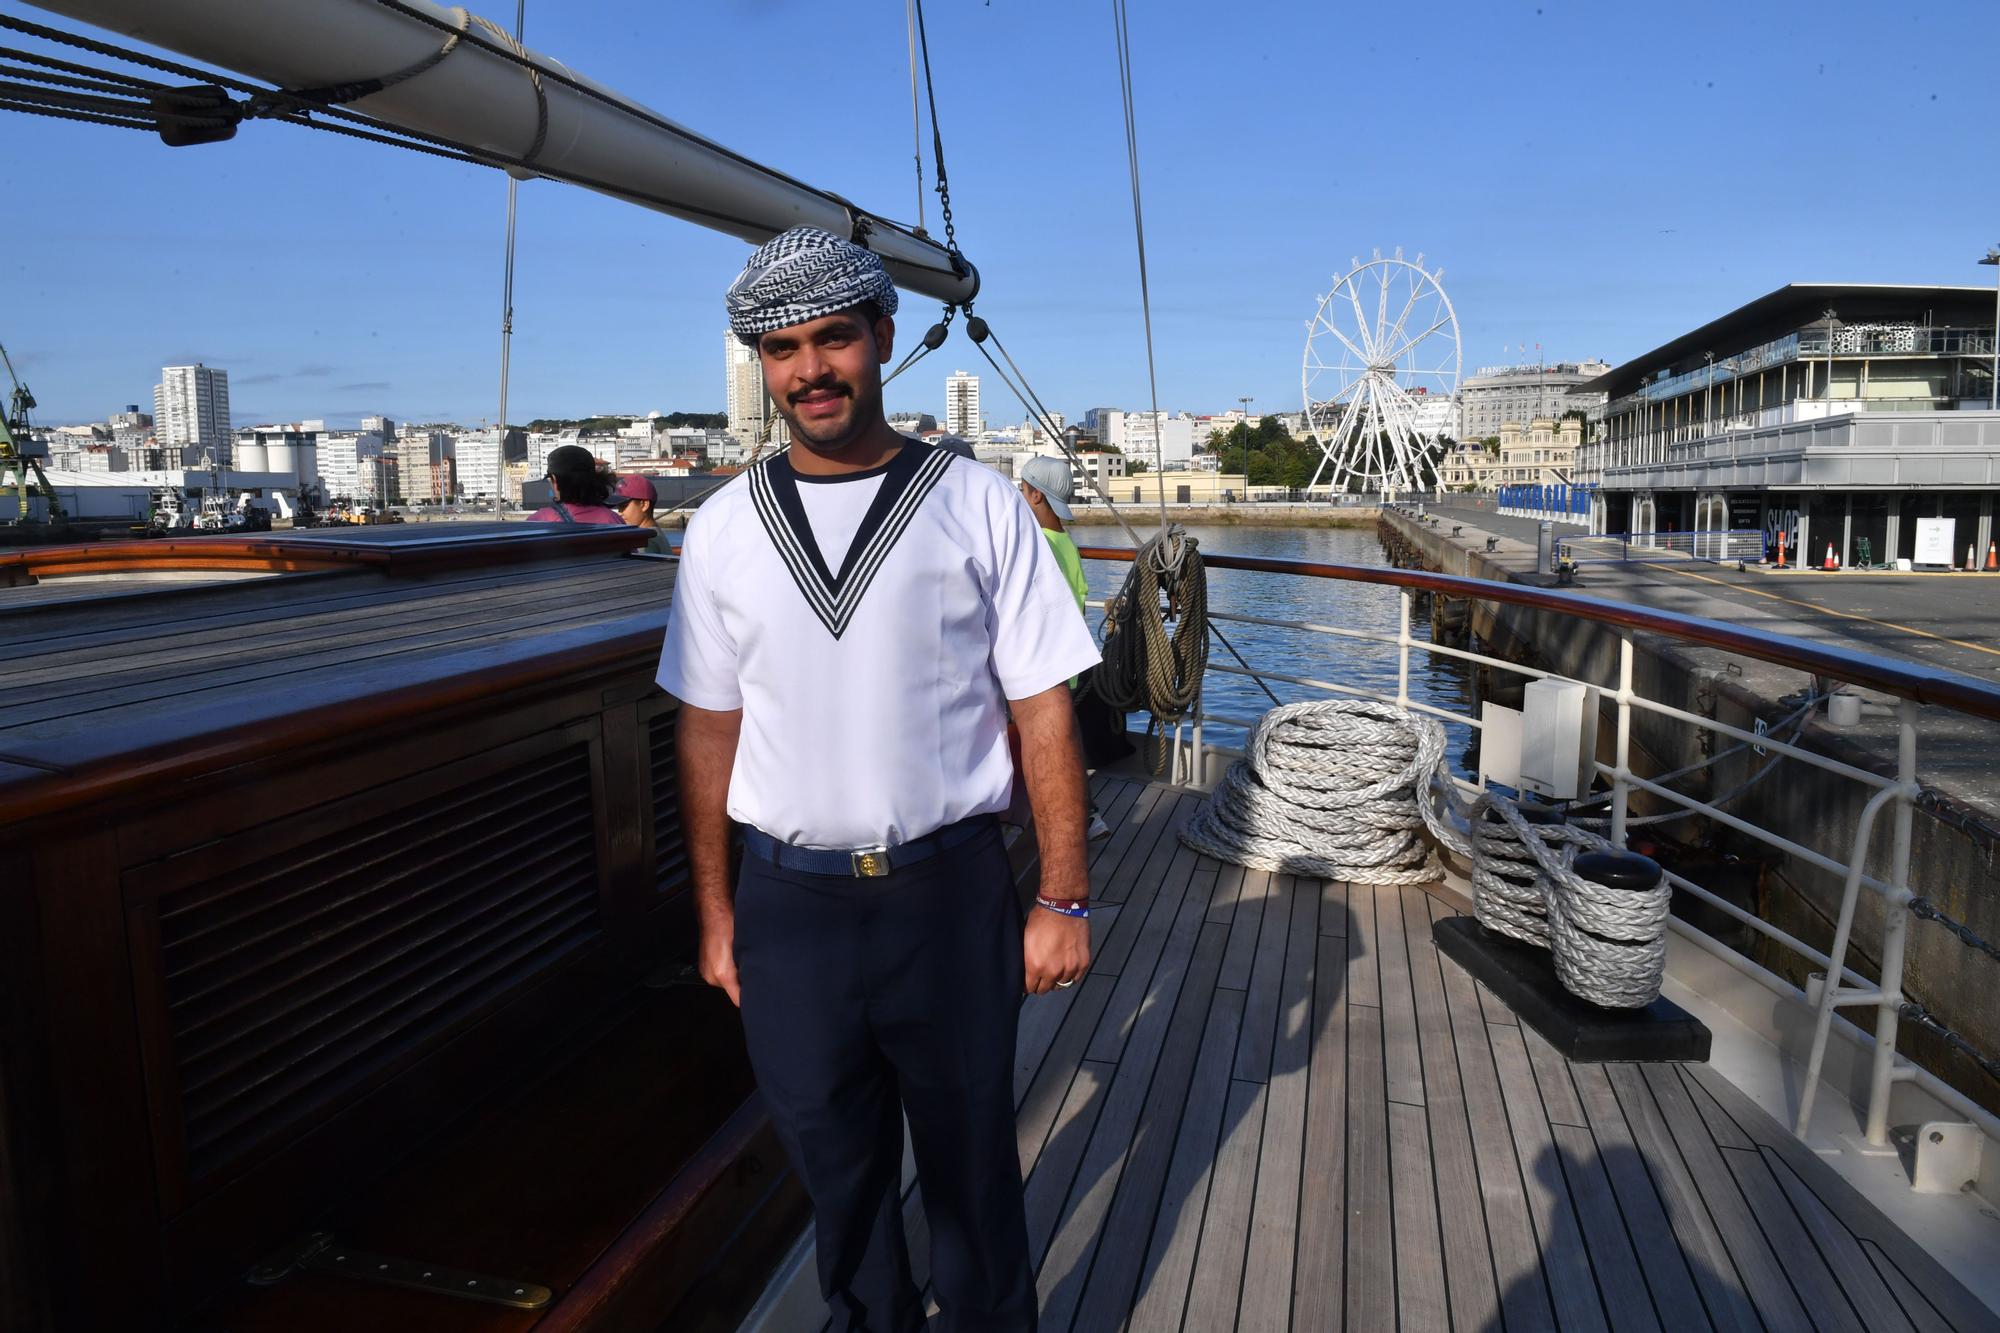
x=1064, y=985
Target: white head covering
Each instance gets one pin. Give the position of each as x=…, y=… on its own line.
x=804, y=274
x=1051, y=477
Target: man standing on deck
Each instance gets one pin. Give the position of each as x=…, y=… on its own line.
x=853, y=620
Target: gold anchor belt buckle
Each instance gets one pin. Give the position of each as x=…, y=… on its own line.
x=870, y=862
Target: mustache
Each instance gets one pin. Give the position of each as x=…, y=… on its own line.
x=827, y=385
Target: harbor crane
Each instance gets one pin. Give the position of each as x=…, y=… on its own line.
x=21, y=456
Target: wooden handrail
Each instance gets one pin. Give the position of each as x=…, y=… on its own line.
x=1917, y=681
x=284, y=552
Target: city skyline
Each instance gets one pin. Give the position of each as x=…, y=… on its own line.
x=617, y=305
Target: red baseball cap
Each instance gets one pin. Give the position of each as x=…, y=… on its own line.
x=633, y=486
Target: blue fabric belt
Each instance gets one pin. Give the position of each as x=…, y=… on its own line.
x=863, y=862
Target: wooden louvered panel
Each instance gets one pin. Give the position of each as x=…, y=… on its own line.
x=290, y=1037
x=421, y=833
x=395, y=914
x=296, y=980
x=669, y=846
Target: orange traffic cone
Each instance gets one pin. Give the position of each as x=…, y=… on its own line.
x=1831, y=561
x=1781, y=548
x=1992, y=556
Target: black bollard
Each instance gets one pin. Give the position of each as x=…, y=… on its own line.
x=1628, y=871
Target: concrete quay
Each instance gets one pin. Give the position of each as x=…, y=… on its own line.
x=1956, y=834
x=1243, y=514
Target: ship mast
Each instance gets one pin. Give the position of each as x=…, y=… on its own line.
x=442, y=73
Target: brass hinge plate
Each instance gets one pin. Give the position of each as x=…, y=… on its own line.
x=320, y=1253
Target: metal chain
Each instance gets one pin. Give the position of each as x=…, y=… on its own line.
x=1921, y=1016
x=943, y=186
x=1923, y=908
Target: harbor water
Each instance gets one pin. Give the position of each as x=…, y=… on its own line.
x=1440, y=681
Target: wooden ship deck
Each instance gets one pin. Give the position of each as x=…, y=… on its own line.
x=1274, y=1105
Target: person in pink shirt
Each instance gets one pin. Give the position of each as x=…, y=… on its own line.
x=582, y=486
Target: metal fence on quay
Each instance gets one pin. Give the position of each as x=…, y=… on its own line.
x=1621, y=547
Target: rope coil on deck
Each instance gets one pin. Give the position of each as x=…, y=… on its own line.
x=1328, y=788
x=1609, y=944
x=1144, y=665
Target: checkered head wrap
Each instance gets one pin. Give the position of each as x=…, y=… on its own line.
x=801, y=275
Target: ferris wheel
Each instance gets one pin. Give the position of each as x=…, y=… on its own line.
x=1381, y=370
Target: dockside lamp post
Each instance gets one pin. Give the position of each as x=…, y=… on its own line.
x=1993, y=258
x=1708, y=399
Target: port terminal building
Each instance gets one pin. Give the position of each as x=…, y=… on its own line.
x=1849, y=415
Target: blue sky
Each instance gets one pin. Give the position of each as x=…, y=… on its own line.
x=1595, y=178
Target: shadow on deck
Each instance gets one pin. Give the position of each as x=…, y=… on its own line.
x=1274, y=1105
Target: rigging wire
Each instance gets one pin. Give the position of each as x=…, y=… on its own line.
x=916, y=117
x=1123, y=28
x=507, y=277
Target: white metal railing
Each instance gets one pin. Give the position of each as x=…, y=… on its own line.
x=1850, y=864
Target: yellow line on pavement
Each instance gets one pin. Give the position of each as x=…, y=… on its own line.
x=1828, y=611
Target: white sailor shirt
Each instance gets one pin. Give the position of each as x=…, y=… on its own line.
x=873, y=689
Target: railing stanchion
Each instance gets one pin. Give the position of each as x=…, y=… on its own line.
x=1621, y=789
x=1200, y=774
x=1895, y=928
x=1403, y=648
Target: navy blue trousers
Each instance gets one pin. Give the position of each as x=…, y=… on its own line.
x=865, y=1000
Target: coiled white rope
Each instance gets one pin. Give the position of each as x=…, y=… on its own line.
x=1328, y=788
x=1609, y=944
x=1344, y=789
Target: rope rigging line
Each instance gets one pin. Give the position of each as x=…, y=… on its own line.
x=507, y=262
x=916, y=117
x=1123, y=28
x=1143, y=666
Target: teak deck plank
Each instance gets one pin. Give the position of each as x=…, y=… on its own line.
x=1333, y=915
x=1756, y=1259
x=1674, y=1297
x=1319, y=1278
x=1722, y=1288
x=1467, y=1259
x=1067, y=1264
x=1245, y=921
x=1052, y=1174
x=1370, y=1265
x=1041, y=1103
x=1152, y=847
x=1578, y=1304
x=1402, y=1063
x=1184, y=882
x=1914, y=1304
x=1217, y=1283
x=1818, y=1289
x=1170, y=1255
x=1260, y=1009
x=1942, y=1291
x=1268, y=1273
x=1121, y=1253
x=1517, y=1268
x=1228, y=887
x=1612, y=1259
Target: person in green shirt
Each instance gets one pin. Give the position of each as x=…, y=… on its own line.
x=1047, y=487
